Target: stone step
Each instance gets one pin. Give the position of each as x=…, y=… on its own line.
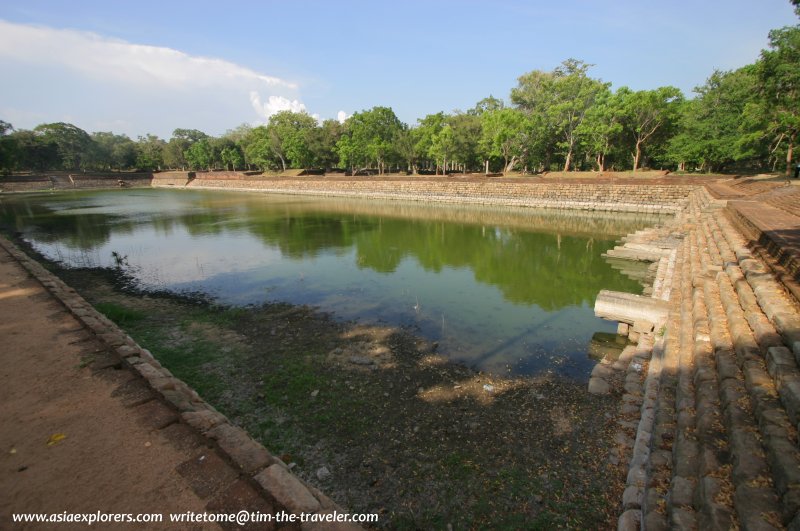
x=778, y=435
x=630, y=308
x=753, y=494
x=726, y=253
x=712, y=474
x=777, y=423
x=776, y=304
x=680, y=507
x=659, y=472
x=713, y=496
x=777, y=336
x=725, y=386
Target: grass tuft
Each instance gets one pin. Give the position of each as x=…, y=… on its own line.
x=119, y=314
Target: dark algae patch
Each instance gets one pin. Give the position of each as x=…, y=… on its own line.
x=375, y=418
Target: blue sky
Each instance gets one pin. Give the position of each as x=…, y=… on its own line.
x=139, y=67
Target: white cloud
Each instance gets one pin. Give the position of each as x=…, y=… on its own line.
x=160, y=79
x=342, y=116
x=274, y=104
x=108, y=58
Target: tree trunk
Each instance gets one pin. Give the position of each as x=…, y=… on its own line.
x=637, y=156
x=568, y=161
x=510, y=165
x=486, y=165
x=601, y=162
x=283, y=163
x=790, y=155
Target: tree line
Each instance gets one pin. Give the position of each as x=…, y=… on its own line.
x=564, y=119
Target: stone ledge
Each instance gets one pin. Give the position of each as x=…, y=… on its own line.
x=287, y=490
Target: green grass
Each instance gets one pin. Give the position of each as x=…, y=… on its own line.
x=216, y=315
x=188, y=360
x=292, y=383
x=119, y=314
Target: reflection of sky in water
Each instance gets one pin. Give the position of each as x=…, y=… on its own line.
x=234, y=248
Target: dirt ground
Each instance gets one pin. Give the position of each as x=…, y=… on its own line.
x=67, y=444
x=380, y=422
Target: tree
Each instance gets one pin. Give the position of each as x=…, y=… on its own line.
x=713, y=131
x=150, y=152
x=466, y=139
x=238, y=134
x=109, y=151
x=322, y=143
x=182, y=139
x=646, y=113
x=200, y=155
x=233, y=145
x=232, y=157
x=505, y=135
x=189, y=135
x=73, y=143
x=601, y=128
x=486, y=104
x=288, y=136
x=779, y=77
x=370, y=137
x=561, y=99
x=424, y=135
x=405, y=145
x=8, y=147
x=34, y=152
x=258, y=149
x=443, y=147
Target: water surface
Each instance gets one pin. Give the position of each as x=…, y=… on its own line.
x=506, y=290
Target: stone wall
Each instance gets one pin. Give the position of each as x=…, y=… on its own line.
x=113, y=180
x=32, y=183
x=602, y=196
x=67, y=181
x=643, y=174
x=172, y=178
x=653, y=196
x=226, y=175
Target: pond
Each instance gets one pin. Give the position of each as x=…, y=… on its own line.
x=503, y=290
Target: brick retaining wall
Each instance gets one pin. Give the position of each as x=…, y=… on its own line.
x=653, y=198
x=172, y=178
x=644, y=196
x=65, y=181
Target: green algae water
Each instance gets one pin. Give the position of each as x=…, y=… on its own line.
x=503, y=290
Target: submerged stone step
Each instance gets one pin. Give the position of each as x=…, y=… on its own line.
x=630, y=308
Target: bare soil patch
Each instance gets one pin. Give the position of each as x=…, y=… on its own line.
x=67, y=443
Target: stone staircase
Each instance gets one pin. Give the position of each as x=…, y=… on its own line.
x=786, y=198
x=716, y=441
